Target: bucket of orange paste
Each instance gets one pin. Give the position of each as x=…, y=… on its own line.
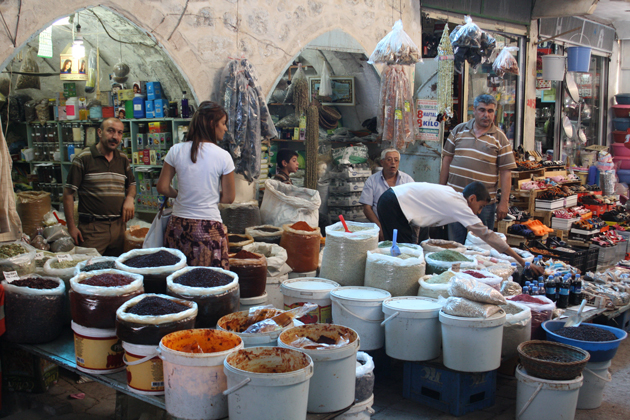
x=194, y=380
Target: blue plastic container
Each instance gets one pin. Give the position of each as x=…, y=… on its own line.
x=624, y=176
x=623, y=98
x=578, y=59
x=601, y=351
x=138, y=107
x=621, y=124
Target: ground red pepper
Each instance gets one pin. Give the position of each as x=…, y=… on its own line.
x=107, y=280
x=245, y=255
x=527, y=298
x=475, y=274
x=302, y=226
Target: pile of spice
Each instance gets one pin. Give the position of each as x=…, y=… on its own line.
x=528, y=298
x=103, y=265
x=444, y=245
x=449, y=256
x=140, y=233
x=108, y=280
x=36, y=283
x=245, y=255
x=269, y=230
x=12, y=250
x=155, y=305
x=475, y=274
x=586, y=333
x=204, y=277
x=65, y=264
x=157, y=259
x=443, y=278
x=302, y=226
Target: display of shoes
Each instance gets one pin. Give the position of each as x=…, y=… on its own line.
x=521, y=230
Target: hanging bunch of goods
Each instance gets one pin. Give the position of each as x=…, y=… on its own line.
x=446, y=69
x=505, y=62
x=299, y=88
x=396, y=113
x=249, y=121
x=471, y=44
x=312, y=144
x=396, y=110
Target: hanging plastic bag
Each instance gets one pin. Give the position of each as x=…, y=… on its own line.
x=395, y=115
x=506, y=62
x=90, y=84
x=29, y=65
x=325, y=84
x=396, y=48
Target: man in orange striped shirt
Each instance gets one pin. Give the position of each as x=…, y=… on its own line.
x=479, y=151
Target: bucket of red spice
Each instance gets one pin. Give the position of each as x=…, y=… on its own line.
x=154, y=264
x=302, y=243
x=33, y=309
x=216, y=292
x=96, y=295
x=145, y=319
x=542, y=309
x=251, y=269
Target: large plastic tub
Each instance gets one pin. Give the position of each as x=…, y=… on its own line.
x=601, y=351
x=623, y=98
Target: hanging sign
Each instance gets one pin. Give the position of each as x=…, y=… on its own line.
x=72, y=68
x=428, y=126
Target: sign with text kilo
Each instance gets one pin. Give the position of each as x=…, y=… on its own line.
x=428, y=126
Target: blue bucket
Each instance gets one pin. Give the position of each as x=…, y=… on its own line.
x=578, y=59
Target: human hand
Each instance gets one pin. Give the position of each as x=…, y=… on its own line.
x=128, y=209
x=76, y=235
x=502, y=210
x=536, y=270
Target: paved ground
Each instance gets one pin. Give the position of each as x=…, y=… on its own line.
x=100, y=401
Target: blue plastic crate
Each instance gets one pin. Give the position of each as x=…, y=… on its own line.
x=449, y=391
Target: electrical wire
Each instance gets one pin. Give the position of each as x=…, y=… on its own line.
x=155, y=44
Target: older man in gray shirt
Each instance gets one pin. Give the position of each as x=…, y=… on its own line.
x=380, y=182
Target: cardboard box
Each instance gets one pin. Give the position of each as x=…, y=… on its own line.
x=161, y=108
x=153, y=158
x=141, y=140
x=25, y=372
x=135, y=158
x=159, y=127
x=165, y=140
x=148, y=106
x=146, y=157
x=154, y=90
x=149, y=114
x=108, y=112
x=125, y=95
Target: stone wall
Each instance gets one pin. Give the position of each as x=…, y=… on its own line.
x=199, y=36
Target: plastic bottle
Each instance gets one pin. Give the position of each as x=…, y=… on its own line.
x=550, y=288
x=575, y=294
x=541, y=285
x=535, y=290
x=525, y=290
x=527, y=273
x=185, y=109
x=516, y=276
x=72, y=108
x=563, y=295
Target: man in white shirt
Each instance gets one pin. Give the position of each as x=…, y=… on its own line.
x=421, y=204
x=380, y=182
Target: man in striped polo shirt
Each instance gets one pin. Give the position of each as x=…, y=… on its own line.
x=478, y=151
x=104, y=182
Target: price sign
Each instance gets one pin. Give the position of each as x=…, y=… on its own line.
x=64, y=257
x=11, y=275
x=39, y=256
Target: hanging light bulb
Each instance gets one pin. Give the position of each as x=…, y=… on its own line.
x=78, y=49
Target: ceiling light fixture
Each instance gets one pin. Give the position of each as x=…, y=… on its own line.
x=78, y=49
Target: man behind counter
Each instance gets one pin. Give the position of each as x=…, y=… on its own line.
x=104, y=181
x=421, y=204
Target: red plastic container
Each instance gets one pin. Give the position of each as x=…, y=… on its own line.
x=620, y=149
x=624, y=161
x=620, y=136
x=621, y=111
x=108, y=112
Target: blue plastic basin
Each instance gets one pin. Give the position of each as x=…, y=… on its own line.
x=623, y=98
x=601, y=351
x=621, y=124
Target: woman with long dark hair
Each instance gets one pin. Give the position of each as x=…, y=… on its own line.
x=205, y=178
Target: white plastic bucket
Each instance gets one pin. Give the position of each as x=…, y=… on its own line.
x=254, y=339
x=247, y=303
x=596, y=376
x=544, y=399
x=274, y=294
x=553, y=67
x=268, y=383
x=145, y=374
x=194, y=382
x=334, y=374
x=97, y=351
x=359, y=308
x=296, y=275
x=299, y=291
x=472, y=344
x=411, y=319
x=359, y=411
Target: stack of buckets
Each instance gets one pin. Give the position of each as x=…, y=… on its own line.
x=621, y=136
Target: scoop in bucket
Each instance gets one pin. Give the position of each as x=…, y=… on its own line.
x=395, y=251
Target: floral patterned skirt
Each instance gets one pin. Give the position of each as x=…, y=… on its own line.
x=204, y=242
